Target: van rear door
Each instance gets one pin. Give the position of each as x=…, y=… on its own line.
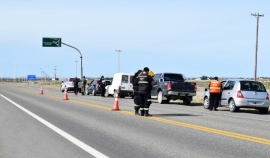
x=126, y=82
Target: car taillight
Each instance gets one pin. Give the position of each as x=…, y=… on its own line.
x=195, y=87
x=97, y=84
x=267, y=97
x=169, y=86
x=239, y=94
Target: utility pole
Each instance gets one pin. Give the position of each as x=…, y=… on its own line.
x=76, y=67
x=118, y=59
x=256, y=49
x=54, y=72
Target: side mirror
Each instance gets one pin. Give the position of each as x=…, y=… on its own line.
x=160, y=80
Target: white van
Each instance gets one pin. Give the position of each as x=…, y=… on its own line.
x=122, y=83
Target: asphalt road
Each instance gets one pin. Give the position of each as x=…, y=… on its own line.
x=44, y=125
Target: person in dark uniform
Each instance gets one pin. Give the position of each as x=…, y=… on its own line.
x=136, y=97
x=83, y=85
x=76, y=85
x=145, y=87
x=215, y=94
x=102, y=86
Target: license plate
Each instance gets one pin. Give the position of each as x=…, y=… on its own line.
x=181, y=94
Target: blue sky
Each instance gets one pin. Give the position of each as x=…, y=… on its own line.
x=196, y=38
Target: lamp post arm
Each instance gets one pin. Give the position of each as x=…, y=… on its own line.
x=80, y=57
x=72, y=47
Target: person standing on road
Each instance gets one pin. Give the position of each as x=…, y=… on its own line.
x=145, y=87
x=136, y=97
x=83, y=85
x=102, y=86
x=76, y=85
x=215, y=92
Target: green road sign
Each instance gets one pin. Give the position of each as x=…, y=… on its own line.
x=51, y=42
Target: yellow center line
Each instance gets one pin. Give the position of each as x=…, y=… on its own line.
x=172, y=122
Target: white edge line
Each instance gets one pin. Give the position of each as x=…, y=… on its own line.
x=69, y=137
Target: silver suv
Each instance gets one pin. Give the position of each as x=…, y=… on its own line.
x=241, y=93
x=69, y=84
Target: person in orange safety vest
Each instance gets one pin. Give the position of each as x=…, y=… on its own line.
x=215, y=92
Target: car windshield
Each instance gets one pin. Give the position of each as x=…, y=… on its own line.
x=73, y=79
x=173, y=77
x=252, y=86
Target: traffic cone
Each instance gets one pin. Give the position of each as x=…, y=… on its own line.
x=116, y=103
x=41, y=90
x=65, y=95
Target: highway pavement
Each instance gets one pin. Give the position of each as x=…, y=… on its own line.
x=45, y=125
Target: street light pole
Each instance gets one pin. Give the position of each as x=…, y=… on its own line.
x=76, y=67
x=118, y=58
x=80, y=57
x=256, y=50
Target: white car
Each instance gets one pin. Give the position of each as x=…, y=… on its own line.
x=69, y=85
x=241, y=93
x=121, y=83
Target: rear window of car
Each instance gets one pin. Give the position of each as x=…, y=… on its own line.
x=73, y=79
x=95, y=81
x=125, y=79
x=252, y=86
x=173, y=77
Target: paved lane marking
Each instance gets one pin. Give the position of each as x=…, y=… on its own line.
x=178, y=123
x=69, y=137
x=182, y=124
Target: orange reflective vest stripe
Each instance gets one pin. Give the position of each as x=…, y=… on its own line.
x=215, y=86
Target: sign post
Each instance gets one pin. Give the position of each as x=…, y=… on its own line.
x=56, y=42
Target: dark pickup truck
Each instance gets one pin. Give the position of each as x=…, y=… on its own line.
x=172, y=86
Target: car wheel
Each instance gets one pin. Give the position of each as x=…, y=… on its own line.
x=159, y=98
x=232, y=106
x=93, y=92
x=263, y=110
x=206, y=103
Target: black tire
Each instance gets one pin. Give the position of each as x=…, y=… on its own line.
x=232, y=106
x=263, y=110
x=206, y=102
